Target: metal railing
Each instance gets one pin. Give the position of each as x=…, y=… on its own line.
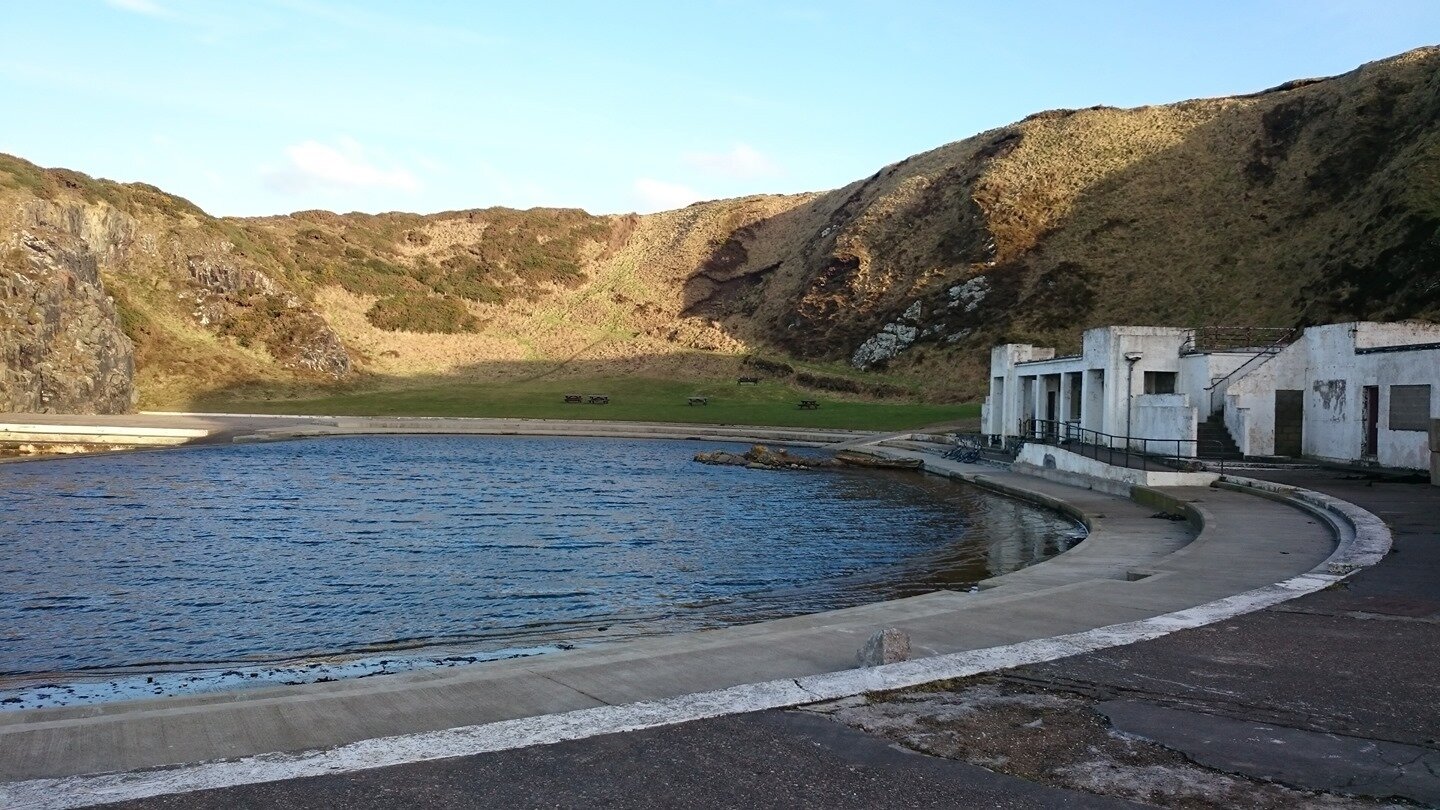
x=1234, y=338
x=1261, y=356
x=1184, y=455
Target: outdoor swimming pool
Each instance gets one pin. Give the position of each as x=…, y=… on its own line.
x=334, y=557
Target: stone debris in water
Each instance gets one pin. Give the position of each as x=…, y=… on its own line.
x=761, y=457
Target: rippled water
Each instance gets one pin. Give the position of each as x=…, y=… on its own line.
x=268, y=552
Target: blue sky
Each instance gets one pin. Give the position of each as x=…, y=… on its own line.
x=271, y=106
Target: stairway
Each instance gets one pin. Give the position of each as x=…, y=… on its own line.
x=1215, y=439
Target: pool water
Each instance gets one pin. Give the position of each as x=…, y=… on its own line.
x=476, y=547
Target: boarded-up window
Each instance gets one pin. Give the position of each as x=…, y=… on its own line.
x=1409, y=407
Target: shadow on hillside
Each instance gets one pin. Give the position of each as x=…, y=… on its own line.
x=699, y=372
x=1301, y=204
x=1283, y=211
x=742, y=278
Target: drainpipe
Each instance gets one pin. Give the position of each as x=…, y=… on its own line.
x=1131, y=358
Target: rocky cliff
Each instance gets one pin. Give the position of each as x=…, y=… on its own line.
x=63, y=349
x=1315, y=201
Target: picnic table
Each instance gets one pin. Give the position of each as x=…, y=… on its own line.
x=574, y=398
x=698, y=401
x=809, y=404
x=599, y=399
x=749, y=380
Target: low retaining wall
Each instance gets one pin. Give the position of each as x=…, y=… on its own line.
x=97, y=434
x=1066, y=467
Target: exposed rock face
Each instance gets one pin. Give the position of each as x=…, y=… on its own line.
x=201, y=311
x=61, y=347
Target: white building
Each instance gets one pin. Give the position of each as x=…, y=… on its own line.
x=1354, y=392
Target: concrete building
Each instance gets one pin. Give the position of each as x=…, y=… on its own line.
x=1353, y=392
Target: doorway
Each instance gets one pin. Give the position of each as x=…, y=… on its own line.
x=1289, y=423
x=1372, y=421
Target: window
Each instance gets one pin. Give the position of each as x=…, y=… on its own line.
x=1409, y=407
x=1160, y=382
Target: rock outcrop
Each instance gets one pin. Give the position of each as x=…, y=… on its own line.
x=61, y=346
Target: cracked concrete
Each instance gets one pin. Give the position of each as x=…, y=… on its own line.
x=1315, y=760
x=1061, y=739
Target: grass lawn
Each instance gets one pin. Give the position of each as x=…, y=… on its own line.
x=631, y=399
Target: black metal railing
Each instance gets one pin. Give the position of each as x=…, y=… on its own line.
x=1185, y=455
x=1262, y=355
x=1234, y=338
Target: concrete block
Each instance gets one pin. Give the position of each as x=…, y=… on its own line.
x=885, y=647
x=1435, y=469
x=1435, y=435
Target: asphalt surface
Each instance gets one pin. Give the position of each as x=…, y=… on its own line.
x=1354, y=664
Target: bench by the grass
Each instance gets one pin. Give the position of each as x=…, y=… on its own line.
x=574, y=398
x=698, y=401
x=599, y=399
x=749, y=380
x=809, y=404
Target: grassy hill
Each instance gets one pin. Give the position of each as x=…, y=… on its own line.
x=1316, y=201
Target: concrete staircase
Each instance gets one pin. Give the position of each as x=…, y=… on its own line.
x=1215, y=439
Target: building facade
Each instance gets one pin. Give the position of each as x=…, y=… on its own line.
x=1355, y=392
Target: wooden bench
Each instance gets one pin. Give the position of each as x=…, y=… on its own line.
x=599, y=399
x=698, y=401
x=750, y=380
x=808, y=404
x=574, y=398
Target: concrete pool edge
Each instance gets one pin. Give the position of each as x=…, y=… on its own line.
x=1362, y=541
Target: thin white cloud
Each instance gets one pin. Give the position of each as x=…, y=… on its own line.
x=147, y=7
x=658, y=195
x=739, y=161
x=346, y=166
x=408, y=25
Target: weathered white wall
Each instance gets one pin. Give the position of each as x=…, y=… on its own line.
x=1250, y=397
x=1334, y=399
x=1369, y=334
x=1166, y=417
x=1196, y=372
x=1106, y=348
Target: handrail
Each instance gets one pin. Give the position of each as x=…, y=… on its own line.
x=1268, y=352
x=1102, y=446
x=1230, y=338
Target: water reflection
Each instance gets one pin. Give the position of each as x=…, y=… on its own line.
x=356, y=546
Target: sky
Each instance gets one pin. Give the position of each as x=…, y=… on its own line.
x=272, y=106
